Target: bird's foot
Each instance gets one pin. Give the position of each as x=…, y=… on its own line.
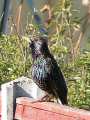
x=46, y=98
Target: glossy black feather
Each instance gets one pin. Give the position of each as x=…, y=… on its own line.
x=45, y=71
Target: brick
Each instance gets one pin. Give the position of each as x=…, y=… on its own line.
x=27, y=110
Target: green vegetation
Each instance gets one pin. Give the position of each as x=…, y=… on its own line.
x=15, y=57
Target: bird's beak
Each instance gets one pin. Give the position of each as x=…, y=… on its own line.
x=31, y=41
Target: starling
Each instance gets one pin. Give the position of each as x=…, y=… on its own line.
x=46, y=72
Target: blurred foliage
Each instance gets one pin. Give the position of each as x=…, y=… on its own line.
x=13, y=63
x=15, y=57
x=78, y=80
x=76, y=69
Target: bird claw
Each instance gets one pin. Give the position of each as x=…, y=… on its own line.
x=46, y=98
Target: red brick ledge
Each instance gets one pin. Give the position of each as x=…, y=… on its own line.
x=26, y=110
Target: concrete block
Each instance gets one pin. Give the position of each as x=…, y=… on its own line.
x=21, y=87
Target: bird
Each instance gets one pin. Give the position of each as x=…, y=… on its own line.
x=46, y=73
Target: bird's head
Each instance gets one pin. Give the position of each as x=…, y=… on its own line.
x=39, y=46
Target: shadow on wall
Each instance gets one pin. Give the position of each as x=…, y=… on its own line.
x=18, y=92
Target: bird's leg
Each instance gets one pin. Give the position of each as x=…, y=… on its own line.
x=46, y=98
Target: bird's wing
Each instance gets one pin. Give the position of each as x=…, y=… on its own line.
x=57, y=81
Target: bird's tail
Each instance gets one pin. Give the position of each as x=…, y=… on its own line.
x=63, y=100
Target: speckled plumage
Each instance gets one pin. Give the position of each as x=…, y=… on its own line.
x=45, y=71
x=40, y=72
